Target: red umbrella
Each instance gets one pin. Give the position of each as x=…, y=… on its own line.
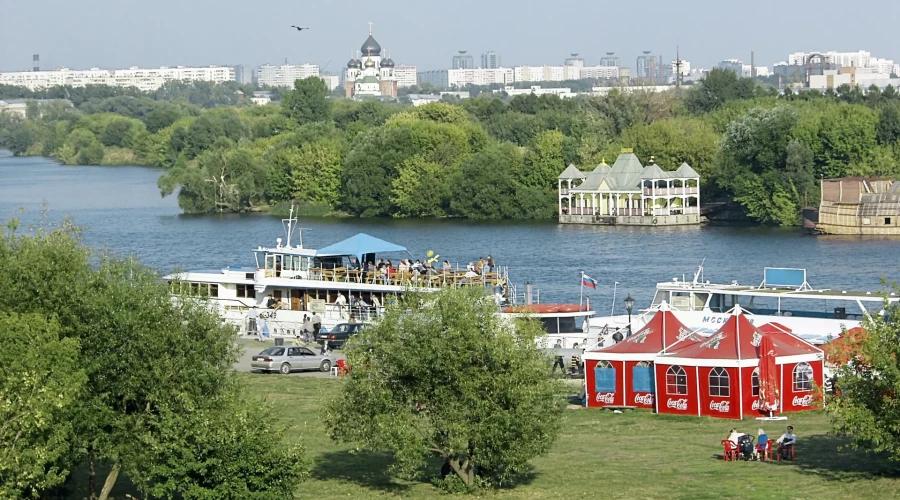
x=768, y=376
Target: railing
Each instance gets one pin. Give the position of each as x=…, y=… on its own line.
x=581, y=211
x=670, y=191
x=432, y=278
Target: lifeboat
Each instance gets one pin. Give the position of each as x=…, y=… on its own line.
x=544, y=309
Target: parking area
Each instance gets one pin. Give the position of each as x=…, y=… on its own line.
x=253, y=347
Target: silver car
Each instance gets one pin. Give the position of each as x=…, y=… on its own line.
x=286, y=359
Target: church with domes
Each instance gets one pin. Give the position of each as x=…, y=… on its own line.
x=370, y=74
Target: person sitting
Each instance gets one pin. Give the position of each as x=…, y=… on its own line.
x=786, y=442
x=447, y=267
x=470, y=267
x=273, y=304
x=734, y=435
x=479, y=266
x=762, y=442
x=354, y=263
x=403, y=266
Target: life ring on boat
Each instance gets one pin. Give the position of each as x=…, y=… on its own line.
x=653, y=221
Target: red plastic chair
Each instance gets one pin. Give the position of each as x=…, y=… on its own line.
x=731, y=451
x=790, y=453
x=765, y=451
x=342, y=367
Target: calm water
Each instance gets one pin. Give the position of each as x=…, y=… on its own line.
x=121, y=209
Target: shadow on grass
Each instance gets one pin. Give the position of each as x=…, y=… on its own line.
x=832, y=459
x=365, y=468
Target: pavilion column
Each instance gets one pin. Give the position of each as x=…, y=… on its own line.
x=560, y=197
x=594, y=203
x=581, y=203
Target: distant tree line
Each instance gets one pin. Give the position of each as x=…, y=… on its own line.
x=487, y=157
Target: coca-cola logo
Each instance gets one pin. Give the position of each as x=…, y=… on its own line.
x=755, y=405
x=678, y=404
x=802, y=401
x=643, y=399
x=756, y=340
x=605, y=397
x=720, y=406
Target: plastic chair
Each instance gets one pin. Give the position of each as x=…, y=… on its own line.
x=766, y=451
x=790, y=451
x=731, y=451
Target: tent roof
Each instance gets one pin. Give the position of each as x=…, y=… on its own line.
x=358, y=246
x=571, y=172
x=781, y=333
x=738, y=339
x=652, y=171
x=663, y=330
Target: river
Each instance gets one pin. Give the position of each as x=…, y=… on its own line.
x=121, y=210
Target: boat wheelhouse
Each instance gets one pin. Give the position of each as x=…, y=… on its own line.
x=784, y=296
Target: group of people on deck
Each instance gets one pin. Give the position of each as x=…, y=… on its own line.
x=385, y=269
x=744, y=442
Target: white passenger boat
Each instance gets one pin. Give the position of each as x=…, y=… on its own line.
x=303, y=280
x=784, y=297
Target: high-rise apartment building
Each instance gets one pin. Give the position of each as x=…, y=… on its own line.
x=463, y=61
x=490, y=60
x=649, y=68
x=611, y=60
x=575, y=61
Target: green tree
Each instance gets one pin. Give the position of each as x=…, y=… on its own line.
x=672, y=142
x=82, y=148
x=864, y=406
x=222, y=180
x=544, y=162
x=888, y=128
x=469, y=390
x=308, y=102
x=149, y=388
x=719, y=87
x=422, y=188
x=162, y=116
x=39, y=383
x=315, y=173
x=485, y=185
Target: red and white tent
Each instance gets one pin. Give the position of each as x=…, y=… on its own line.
x=719, y=376
x=622, y=374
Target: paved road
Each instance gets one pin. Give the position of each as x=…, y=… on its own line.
x=250, y=349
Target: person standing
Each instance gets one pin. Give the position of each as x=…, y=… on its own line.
x=316, y=324
x=307, y=329
x=491, y=266
x=252, y=318
x=262, y=329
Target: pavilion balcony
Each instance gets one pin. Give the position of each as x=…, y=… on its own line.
x=674, y=191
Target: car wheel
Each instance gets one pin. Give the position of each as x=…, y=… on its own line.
x=325, y=366
x=285, y=368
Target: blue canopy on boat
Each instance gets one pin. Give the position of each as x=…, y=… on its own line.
x=358, y=246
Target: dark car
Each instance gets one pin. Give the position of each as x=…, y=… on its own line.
x=338, y=336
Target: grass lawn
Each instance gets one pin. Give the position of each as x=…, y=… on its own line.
x=605, y=455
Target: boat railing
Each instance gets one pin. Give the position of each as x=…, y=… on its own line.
x=436, y=278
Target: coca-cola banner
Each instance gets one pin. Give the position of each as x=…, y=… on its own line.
x=718, y=400
x=794, y=397
x=676, y=404
x=643, y=400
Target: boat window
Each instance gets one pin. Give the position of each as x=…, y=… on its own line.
x=716, y=303
x=246, y=292
x=213, y=290
x=700, y=300
x=550, y=325
x=659, y=297
x=681, y=300
x=567, y=325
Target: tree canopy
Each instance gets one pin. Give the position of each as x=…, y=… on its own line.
x=470, y=389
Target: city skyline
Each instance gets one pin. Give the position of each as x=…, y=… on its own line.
x=203, y=32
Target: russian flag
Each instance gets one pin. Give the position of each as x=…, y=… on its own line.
x=588, y=281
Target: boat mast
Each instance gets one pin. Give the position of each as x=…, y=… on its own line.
x=290, y=228
x=698, y=276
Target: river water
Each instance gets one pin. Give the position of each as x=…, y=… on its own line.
x=121, y=210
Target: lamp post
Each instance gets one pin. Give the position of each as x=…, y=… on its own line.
x=629, y=305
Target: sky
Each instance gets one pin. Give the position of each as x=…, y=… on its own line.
x=123, y=33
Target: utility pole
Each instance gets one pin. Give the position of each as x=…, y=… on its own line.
x=677, y=67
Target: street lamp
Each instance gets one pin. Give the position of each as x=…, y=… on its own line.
x=629, y=306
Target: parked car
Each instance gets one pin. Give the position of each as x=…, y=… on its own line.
x=286, y=359
x=339, y=335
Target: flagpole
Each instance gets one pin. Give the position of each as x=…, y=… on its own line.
x=581, y=299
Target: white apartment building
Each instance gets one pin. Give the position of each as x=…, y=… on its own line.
x=331, y=81
x=564, y=93
x=145, y=79
x=285, y=75
x=405, y=75
x=600, y=72
x=859, y=59
x=458, y=78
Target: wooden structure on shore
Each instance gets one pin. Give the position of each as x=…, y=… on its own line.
x=629, y=193
x=858, y=206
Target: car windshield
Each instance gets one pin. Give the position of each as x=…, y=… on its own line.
x=274, y=351
x=340, y=329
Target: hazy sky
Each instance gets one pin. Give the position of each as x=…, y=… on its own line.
x=122, y=33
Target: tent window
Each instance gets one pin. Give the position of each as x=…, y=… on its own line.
x=676, y=381
x=604, y=377
x=803, y=376
x=754, y=383
x=718, y=383
x=642, y=377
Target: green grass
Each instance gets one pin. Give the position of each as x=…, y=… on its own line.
x=604, y=455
